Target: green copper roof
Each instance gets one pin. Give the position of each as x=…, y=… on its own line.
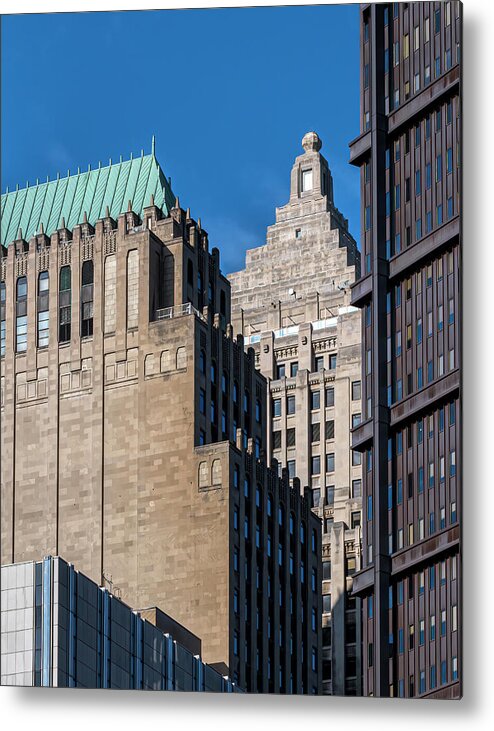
x=89, y=192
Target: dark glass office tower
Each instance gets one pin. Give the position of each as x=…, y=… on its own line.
x=410, y=295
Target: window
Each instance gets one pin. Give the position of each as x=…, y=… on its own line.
x=315, y=400
x=397, y=197
x=452, y=463
x=290, y=405
x=293, y=369
x=43, y=314
x=367, y=218
x=356, y=488
x=396, y=53
x=291, y=468
x=439, y=167
x=21, y=315
x=418, y=188
x=437, y=21
x=290, y=437
x=276, y=407
x=65, y=296
x=316, y=497
x=330, y=462
x=329, y=428
x=202, y=401
x=316, y=465
x=421, y=632
x=319, y=363
x=356, y=419
x=306, y=180
x=280, y=370
x=315, y=432
x=329, y=397
x=416, y=38
x=356, y=458
x=418, y=229
x=87, y=299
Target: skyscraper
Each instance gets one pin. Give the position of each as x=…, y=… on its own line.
x=410, y=294
x=292, y=304
x=134, y=424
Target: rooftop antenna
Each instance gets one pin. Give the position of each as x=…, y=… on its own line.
x=153, y=145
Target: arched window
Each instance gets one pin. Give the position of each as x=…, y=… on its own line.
x=3, y=330
x=203, y=474
x=216, y=473
x=281, y=515
x=43, y=307
x=21, y=315
x=314, y=541
x=87, y=299
x=64, y=305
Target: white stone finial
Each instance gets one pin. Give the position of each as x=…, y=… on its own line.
x=311, y=142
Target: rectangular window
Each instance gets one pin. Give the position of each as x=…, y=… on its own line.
x=356, y=488
x=418, y=229
x=290, y=437
x=315, y=400
x=452, y=463
x=293, y=369
x=330, y=462
x=418, y=188
x=329, y=397
x=315, y=432
x=428, y=176
x=316, y=465
x=356, y=390
x=319, y=363
x=276, y=407
x=306, y=180
x=290, y=405
x=329, y=429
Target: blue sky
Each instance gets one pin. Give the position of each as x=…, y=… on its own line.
x=229, y=94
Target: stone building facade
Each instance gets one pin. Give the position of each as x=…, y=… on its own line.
x=134, y=425
x=62, y=630
x=409, y=153
x=292, y=304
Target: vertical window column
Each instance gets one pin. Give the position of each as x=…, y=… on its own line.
x=43, y=310
x=64, y=305
x=87, y=299
x=21, y=315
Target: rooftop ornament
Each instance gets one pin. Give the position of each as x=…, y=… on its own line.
x=311, y=142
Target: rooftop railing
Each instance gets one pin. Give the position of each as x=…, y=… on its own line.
x=169, y=313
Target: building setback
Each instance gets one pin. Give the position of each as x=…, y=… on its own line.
x=61, y=630
x=409, y=292
x=292, y=304
x=134, y=425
